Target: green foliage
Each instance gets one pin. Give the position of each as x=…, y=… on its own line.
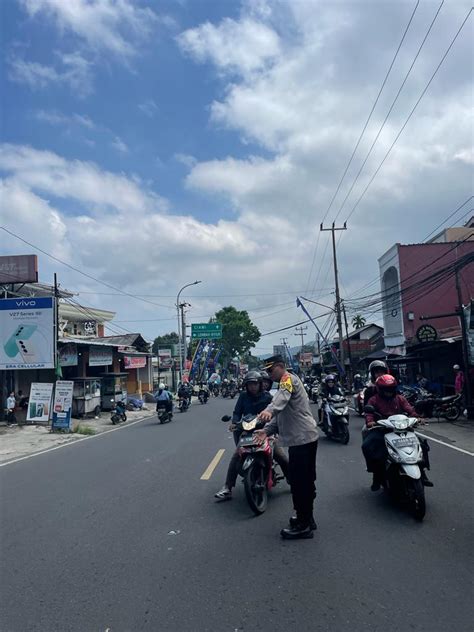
x=165, y=341
x=84, y=430
x=239, y=334
x=358, y=322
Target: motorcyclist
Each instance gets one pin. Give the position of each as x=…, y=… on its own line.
x=164, y=399
x=204, y=388
x=185, y=392
x=387, y=402
x=267, y=381
x=376, y=369
x=252, y=400
x=358, y=382
x=327, y=389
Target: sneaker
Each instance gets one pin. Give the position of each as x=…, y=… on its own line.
x=223, y=494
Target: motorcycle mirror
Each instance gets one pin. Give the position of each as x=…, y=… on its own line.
x=226, y=418
x=369, y=409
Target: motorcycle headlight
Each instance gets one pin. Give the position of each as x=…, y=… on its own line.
x=401, y=424
x=249, y=425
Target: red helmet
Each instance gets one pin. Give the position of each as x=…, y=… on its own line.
x=386, y=386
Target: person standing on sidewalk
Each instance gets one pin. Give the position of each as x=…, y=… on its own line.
x=11, y=405
x=290, y=416
x=458, y=380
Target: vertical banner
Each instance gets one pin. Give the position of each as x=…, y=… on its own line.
x=62, y=406
x=197, y=358
x=39, y=406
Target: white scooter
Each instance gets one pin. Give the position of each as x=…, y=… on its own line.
x=403, y=478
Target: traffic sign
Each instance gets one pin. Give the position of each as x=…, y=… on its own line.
x=206, y=331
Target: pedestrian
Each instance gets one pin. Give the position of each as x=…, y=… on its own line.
x=11, y=405
x=458, y=380
x=290, y=416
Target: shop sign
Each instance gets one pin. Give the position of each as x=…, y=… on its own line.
x=68, y=354
x=134, y=362
x=62, y=406
x=19, y=269
x=426, y=333
x=27, y=333
x=100, y=356
x=165, y=360
x=39, y=405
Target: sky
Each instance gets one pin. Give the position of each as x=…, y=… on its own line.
x=149, y=144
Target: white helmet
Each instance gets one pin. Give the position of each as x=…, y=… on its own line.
x=456, y=367
x=161, y=386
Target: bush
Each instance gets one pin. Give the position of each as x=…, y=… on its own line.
x=84, y=430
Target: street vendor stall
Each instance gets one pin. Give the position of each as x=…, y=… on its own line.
x=86, y=397
x=113, y=389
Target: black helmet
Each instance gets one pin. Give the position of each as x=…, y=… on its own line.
x=377, y=364
x=252, y=376
x=265, y=377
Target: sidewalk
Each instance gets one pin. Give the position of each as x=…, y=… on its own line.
x=459, y=434
x=19, y=441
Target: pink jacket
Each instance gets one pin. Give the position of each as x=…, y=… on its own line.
x=459, y=382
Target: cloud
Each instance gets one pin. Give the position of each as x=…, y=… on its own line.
x=73, y=71
x=185, y=159
x=241, y=46
x=53, y=117
x=148, y=107
x=119, y=145
x=117, y=26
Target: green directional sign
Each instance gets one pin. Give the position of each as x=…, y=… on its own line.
x=206, y=331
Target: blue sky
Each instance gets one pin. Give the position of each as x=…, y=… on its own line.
x=150, y=143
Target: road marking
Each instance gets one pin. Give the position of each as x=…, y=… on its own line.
x=212, y=465
x=74, y=442
x=448, y=445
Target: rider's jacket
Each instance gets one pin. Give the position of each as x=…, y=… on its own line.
x=398, y=405
x=326, y=392
x=250, y=404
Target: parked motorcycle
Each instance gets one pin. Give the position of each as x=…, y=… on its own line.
x=164, y=416
x=448, y=408
x=117, y=413
x=335, y=421
x=403, y=466
x=256, y=465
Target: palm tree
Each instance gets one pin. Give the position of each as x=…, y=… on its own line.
x=358, y=322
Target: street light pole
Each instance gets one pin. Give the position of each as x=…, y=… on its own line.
x=182, y=334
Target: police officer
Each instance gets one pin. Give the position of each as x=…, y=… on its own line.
x=290, y=416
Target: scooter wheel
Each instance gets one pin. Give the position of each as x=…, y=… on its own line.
x=418, y=501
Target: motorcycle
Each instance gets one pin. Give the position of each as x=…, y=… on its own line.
x=232, y=391
x=183, y=404
x=118, y=414
x=447, y=407
x=225, y=390
x=359, y=402
x=335, y=423
x=256, y=465
x=314, y=395
x=203, y=396
x=214, y=389
x=402, y=479
x=164, y=416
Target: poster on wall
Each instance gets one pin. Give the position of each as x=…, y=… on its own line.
x=165, y=360
x=39, y=405
x=27, y=333
x=68, y=354
x=100, y=356
x=62, y=406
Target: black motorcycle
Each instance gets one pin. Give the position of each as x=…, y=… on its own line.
x=118, y=414
x=164, y=415
x=203, y=395
x=335, y=423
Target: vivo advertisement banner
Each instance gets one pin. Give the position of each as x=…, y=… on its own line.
x=27, y=333
x=62, y=406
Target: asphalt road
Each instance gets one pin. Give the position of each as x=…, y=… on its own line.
x=120, y=533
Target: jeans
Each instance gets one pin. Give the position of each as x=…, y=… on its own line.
x=233, y=470
x=302, y=470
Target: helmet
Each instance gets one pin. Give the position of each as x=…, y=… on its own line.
x=357, y=375
x=329, y=378
x=161, y=386
x=252, y=376
x=386, y=386
x=264, y=375
x=456, y=367
x=377, y=364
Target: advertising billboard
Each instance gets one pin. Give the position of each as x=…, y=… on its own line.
x=165, y=360
x=62, y=406
x=39, y=404
x=68, y=354
x=27, y=333
x=134, y=362
x=100, y=356
x=19, y=269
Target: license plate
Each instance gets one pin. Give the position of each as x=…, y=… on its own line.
x=245, y=441
x=404, y=442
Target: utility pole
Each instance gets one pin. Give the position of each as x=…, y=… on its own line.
x=301, y=333
x=465, y=345
x=349, y=351
x=333, y=230
x=184, y=343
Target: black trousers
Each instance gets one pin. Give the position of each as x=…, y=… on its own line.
x=302, y=470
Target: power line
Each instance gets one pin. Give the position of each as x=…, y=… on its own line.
x=89, y=276
x=390, y=110
x=409, y=116
x=361, y=135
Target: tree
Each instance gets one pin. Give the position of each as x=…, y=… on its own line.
x=165, y=341
x=358, y=322
x=239, y=334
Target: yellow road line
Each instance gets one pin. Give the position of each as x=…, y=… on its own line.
x=212, y=465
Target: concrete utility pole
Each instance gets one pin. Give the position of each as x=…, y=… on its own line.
x=182, y=307
x=301, y=333
x=333, y=230
x=181, y=333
